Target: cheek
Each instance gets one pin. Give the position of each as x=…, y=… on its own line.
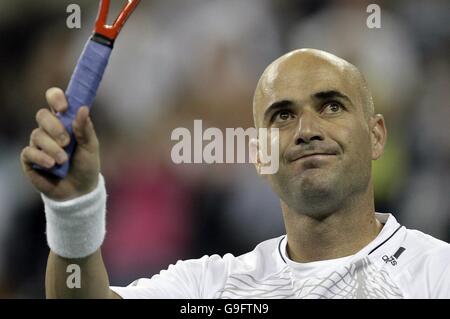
x=283, y=139
x=355, y=143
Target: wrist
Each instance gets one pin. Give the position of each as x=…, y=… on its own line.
x=76, y=227
x=82, y=193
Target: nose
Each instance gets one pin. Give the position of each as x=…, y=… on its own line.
x=308, y=129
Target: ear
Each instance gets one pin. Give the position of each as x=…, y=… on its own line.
x=254, y=154
x=378, y=135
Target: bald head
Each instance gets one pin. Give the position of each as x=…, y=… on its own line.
x=326, y=133
x=310, y=71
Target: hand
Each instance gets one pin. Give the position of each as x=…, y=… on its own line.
x=46, y=149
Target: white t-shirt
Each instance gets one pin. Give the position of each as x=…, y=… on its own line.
x=398, y=263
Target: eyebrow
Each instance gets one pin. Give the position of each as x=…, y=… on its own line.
x=322, y=95
x=331, y=94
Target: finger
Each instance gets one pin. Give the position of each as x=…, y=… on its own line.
x=53, y=126
x=41, y=140
x=31, y=155
x=56, y=99
x=83, y=129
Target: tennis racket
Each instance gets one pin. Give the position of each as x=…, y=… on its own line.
x=88, y=74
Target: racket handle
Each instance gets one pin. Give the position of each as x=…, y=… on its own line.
x=81, y=91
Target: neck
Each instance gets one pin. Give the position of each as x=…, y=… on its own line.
x=342, y=233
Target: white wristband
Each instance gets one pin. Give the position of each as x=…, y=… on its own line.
x=76, y=228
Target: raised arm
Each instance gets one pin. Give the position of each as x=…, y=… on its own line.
x=74, y=205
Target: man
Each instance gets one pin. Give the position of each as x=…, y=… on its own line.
x=336, y=245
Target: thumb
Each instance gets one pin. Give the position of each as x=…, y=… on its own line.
x=83, y=130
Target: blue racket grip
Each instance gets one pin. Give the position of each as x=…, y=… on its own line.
x=81, y=91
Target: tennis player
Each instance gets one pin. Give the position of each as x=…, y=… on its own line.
x=336, y=245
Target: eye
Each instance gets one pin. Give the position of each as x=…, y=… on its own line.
x=282, y=116
x=332, y=107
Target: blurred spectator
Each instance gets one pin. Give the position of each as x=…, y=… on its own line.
x=426, y=202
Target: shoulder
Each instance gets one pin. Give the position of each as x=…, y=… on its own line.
x=424, y=246
x=210, y=273
x=262, y=255
x=427, y=264
x=203, y=277
x=262, y=260
x=424, y=240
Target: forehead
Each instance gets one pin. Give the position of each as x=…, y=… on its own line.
x=296, y=79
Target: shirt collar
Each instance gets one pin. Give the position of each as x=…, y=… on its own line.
x=390, y=229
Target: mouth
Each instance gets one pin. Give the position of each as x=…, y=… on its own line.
x=313, y=156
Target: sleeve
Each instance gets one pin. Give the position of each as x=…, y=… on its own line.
x=439, y=274
x=189, y=279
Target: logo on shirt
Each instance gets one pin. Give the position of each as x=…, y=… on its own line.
x=393, y=259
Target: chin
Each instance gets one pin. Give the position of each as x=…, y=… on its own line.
x=314, y=179
x=314, y=190
x=314, y=187
x=310, y=188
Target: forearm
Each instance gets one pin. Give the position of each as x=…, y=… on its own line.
x=75, y=232
x=62, y=279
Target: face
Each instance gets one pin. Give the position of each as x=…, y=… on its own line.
x=326, y=141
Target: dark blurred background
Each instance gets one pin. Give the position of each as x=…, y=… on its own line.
x=180, y=60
